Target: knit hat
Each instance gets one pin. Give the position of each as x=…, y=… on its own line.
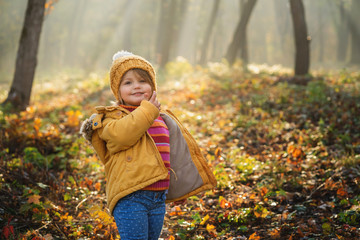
x=123, y=61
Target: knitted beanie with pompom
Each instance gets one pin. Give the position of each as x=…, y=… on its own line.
x=123, y=61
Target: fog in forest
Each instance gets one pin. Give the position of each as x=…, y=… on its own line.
x=83, y=35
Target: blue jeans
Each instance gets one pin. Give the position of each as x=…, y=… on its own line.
x=140, y=215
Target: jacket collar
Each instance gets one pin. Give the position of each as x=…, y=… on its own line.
x=108, y=109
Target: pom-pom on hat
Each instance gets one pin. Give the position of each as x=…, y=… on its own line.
x=123, y=61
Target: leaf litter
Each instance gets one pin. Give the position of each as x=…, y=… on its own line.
x=286, y=158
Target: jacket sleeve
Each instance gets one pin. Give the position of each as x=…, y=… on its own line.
x=121, y=134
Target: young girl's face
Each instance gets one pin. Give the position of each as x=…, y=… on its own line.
x=134, y=88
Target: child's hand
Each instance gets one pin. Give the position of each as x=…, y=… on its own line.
x=154, y=100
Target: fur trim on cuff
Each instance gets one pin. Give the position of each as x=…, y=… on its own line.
x=86, y=128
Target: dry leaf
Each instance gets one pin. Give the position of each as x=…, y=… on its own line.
x=254, y=236
x=34, y=199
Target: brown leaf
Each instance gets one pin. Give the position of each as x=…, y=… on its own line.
x=342, y=193
x=275, y=234
x=34, y=199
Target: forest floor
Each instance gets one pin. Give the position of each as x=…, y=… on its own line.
x=286, y=157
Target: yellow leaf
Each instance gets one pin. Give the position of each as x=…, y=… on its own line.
x=264, y=213
x=34, y=199
x=222, y=123
x=260, y=212
x=73, y=119
x=66, y=217
x=339, y=237
x=210, y=228
x=205, y=219
x=96, y=212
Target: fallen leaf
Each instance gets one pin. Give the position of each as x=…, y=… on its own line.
x=260, y=212
x=98, y=186
x=205, y=219
x=34, y=199
x=176, y=211
x=211, y=229
x=254, y=236
x=275, y=234
x=48, y=237
x=342, y=193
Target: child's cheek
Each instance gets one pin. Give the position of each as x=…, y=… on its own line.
x=147, y=96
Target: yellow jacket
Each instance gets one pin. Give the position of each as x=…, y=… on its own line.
x=132, y=160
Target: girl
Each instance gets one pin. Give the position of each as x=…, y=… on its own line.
x=149, y=156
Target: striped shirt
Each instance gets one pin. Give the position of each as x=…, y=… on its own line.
x=160, y=134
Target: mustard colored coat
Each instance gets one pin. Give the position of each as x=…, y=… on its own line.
x=131, y=158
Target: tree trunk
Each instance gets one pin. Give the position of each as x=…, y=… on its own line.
x=74, y=32
x=302, y=45
x=166, y=31
x=179, y=17
x=240, y=32
x=160, y=30
x=321, y=34
x=244, y=55
x=127, y=43
x=282, y=18
x=355, y=32
x=26, y=60
x=209, y=30
x=342, y=33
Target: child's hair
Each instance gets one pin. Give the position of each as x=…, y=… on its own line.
x=124, y=61
x=143, y=74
